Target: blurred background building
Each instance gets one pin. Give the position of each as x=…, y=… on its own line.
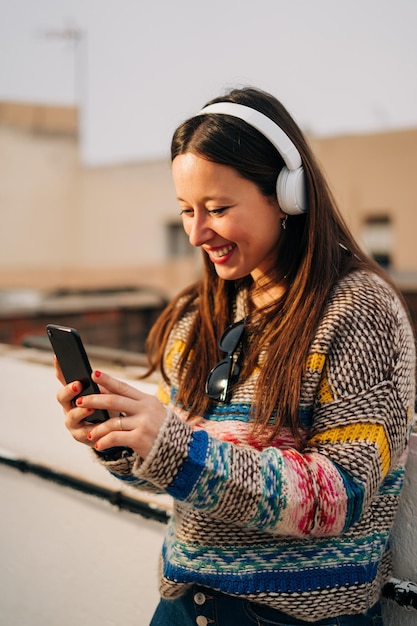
x=90, y=93
x=102, y=248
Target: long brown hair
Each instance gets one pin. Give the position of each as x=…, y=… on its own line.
x=314, y=251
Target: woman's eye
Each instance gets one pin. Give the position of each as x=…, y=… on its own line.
x=218, y=211
x=189, y=211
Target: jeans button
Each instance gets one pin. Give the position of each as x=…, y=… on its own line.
x=201, y=620
x=199, y=598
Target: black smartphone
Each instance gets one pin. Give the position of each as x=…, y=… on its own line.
x=73, y=360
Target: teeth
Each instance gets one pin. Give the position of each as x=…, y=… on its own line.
x=217, y=254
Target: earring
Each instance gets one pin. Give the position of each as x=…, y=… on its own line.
x=284, y=223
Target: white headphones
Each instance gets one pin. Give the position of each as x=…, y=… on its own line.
x=291, y=187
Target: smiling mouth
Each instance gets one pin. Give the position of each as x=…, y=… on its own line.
x=219, y=253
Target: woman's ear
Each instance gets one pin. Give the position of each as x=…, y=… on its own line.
x=274, y=202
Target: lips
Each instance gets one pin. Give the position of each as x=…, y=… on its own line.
x=221, y=253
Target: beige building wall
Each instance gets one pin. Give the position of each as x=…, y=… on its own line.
x=374, y=175
x=61, y=220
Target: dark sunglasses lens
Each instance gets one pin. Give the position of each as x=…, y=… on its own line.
x=231, y=337
x=218, y=381
x=219, y=378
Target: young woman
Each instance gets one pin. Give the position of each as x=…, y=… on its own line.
x=283, y=443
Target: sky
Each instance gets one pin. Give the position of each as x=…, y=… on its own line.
x=140, y=66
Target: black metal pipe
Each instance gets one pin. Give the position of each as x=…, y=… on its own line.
x=117, y=498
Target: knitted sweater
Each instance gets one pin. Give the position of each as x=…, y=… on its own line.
x=304, y=530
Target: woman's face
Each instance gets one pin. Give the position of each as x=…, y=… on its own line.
x=227, y=216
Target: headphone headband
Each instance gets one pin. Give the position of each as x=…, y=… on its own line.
x=291, y=190
x=264, y=124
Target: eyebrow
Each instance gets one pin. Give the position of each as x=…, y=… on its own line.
x=222, y=199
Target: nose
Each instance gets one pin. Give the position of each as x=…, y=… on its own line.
x=199, y=231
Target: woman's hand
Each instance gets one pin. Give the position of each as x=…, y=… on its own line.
x=142, y=413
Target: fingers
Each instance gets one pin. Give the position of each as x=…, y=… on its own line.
x=110, y=402
x=117, y=431
x=116, y=386
x=137, y=429
x=67, y=393
x=79, y=408
x=75, y=416
x=77, y=412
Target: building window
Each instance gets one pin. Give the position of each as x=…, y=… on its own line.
x=178, y=244
x=377, y=238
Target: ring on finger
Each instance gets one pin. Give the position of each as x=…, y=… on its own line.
x=120, y=421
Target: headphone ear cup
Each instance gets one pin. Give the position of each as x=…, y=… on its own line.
x=291, y=191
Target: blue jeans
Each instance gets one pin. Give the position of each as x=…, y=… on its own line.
x=204, y=607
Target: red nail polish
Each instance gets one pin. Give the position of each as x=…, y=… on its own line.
x=89, y=436
x=96, y=446
x=97, y=373
x=79, y=401
x=74, y=387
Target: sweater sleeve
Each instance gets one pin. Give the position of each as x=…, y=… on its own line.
x=123, y=463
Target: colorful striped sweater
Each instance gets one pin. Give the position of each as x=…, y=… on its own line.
x=303, y=530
